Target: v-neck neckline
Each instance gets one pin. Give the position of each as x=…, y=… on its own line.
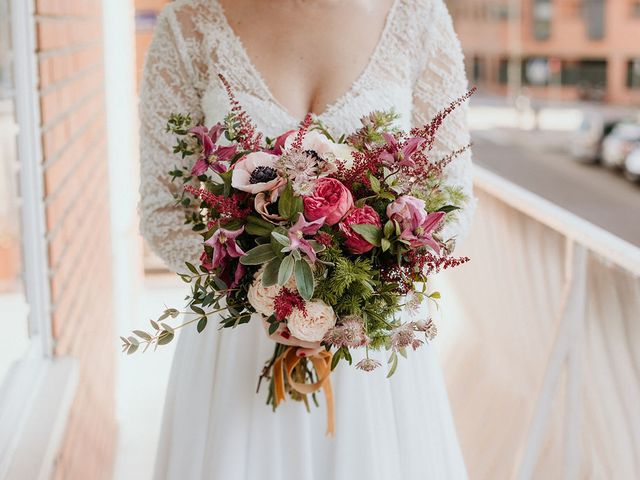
x=343, y=98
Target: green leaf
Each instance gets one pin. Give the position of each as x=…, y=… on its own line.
x=131, y=349
x=375, y=183
x=385, y=244
x=281, y=239
x=389, y=229
x=448, y=208
x=165, y=338
x=142, y=334
x=202, y=323
x=394, y=364
x=289, y=204
x=258, y=255
x=191, y=268
x=317, y=246
x=286, y=269
x=270, y=275
x=435, y=295
x=336, y=359
x=273, y=327
x=370, y=233
x=304, y=279
x=258, y=227
x=167, y=328
x=198, y=310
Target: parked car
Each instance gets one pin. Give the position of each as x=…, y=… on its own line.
x=632, y=166
x=586, y=145
x=624, y=138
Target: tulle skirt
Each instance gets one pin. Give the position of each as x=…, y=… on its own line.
x=215, y=426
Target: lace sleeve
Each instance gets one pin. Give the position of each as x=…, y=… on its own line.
x=167, y=87
x=441, y=80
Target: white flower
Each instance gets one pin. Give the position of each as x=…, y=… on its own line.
x=328, y=150
x=261, y=298
x=313, y=324
x=257, y=172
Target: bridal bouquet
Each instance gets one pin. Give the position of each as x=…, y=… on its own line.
x=324, y=240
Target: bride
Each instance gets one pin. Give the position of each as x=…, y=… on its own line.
x=339, y=59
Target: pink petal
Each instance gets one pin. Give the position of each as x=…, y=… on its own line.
x=199, y=167
x=433, y=221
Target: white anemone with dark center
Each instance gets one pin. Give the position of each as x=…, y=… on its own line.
x=263, y=174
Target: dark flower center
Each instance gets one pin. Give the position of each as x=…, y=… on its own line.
x=313, y=154
x=263, y=174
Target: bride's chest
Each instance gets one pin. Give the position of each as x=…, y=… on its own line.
x=343, y=116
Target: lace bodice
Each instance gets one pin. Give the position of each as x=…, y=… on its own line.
x=417, y=69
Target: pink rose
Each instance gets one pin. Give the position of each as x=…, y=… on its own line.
x=358, y=216
x=416, y=223
x=330, y=199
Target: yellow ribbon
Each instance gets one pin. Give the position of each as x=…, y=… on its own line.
x=285, y=364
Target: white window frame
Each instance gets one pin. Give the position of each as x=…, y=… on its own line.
x=36, y=395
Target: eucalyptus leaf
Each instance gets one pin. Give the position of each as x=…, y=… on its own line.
x=286, y=269
x=258, y=255
x=281, y=239
x=270, y=274
x=394, y=365
x=142, y=334
x=191, y=268
x=317, y=246
x=202, y=323
x=165, y=338
x=304, y=279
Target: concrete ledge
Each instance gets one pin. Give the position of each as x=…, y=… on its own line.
x=35, y=400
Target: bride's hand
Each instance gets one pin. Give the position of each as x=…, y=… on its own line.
x=283, y=336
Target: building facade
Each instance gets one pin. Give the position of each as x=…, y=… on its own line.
x=555, y=49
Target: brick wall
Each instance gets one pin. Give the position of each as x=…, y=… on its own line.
x=70, y=56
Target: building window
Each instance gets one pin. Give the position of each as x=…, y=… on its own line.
x=594, y=18
x=633, y=73
x=477, y=69
x=542, y=17
x=570, y=74
x=503, y=71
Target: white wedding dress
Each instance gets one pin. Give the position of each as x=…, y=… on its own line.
x=215, y=426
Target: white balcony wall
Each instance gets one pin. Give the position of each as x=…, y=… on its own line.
x=541, y=346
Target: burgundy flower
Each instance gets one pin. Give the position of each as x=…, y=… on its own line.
x=298, y=231
x=212, y=155
x=224, y=246
x=397, y=154
x=358, y=216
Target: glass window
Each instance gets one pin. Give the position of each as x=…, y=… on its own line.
x=13, y=305
x=542, y=16
x=594, y=12
x=633, y=73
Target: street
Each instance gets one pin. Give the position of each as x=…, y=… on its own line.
x=540, y=163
